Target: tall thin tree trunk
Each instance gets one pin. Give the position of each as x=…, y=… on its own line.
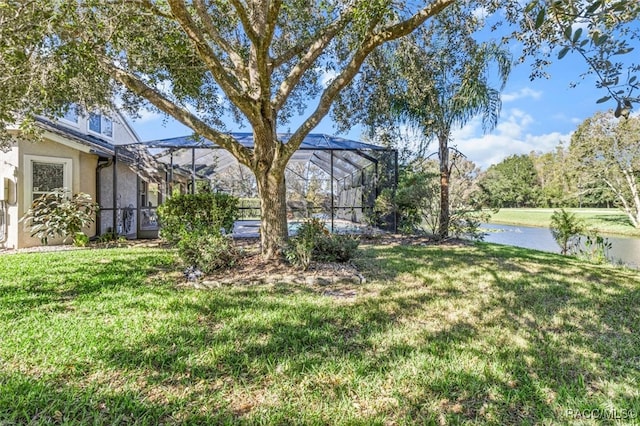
x=443, y=228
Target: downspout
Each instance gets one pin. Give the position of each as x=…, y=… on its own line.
x=101, y=166
x=114, y=194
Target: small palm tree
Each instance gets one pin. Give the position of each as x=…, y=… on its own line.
x=447, y=81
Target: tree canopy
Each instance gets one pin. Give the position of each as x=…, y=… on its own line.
x=607, y=150
x=260, y=60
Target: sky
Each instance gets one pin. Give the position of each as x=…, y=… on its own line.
x=536, y=116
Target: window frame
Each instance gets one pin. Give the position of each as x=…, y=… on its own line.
x=65, y=120
x=67, y=176
x=103, y=119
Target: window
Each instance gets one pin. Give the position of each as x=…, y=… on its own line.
x=101, y=125
x=71, y=115
x=44, y=174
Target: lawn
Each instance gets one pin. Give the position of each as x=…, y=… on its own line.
x=606, y=221
x=451, y=334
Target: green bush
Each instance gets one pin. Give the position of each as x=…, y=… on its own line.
x=314, y=242
x=336, y=248
x=299, y=251
x=207, y=252
x=56, y=214
x=203, y=213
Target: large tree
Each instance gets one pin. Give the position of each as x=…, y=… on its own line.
x=607, y=149
x=195, y=60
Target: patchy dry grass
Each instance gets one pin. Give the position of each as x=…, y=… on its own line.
x=438, y=335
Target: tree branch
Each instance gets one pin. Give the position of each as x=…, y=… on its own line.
x=225, y=77
x=147, y=4
x=351, y=69
x=315, y=49
x=157, y=99
x=213, y=32
x=246, y=22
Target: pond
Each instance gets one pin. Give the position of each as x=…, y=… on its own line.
x=623, y=249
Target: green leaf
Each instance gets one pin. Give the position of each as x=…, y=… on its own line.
x=531, y=6
x=540, y=17
x=563, y=52
x=594, y=6
x=633, y=79
x=567, y=32
x=577, y=34
x=604, y=99
x=623, y=51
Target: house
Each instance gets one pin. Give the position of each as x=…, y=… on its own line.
x=79, y=152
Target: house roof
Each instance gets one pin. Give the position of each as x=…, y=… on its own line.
x=95, y=144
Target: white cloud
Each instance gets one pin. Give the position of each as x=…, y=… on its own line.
x=327, y=77
x=523, y=93
x=480, y=13
x=146, y=115
x=511, y=136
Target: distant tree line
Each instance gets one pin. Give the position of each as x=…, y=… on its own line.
x=537, y=179
x=599, y=168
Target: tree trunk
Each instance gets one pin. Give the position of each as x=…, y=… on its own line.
x=273, y=209
x=443, y=228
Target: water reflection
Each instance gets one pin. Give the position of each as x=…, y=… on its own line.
x=625, y=250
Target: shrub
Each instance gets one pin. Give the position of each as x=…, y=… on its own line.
x=336, y=248
x=80, y=239
x=467, y=223
x=207, y=252
x=56, y=214
x=314, y=242
x=595, y=248
x=566, y=229
x=299, y=251
x=203, y=213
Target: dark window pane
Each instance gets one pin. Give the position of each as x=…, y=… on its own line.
x=47, y=176
x=107, y=127
x=94, y=122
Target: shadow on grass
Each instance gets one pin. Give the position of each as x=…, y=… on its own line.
x=618, y=220
x=443, y=334
x=55, y=402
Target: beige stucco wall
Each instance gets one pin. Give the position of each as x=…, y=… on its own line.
x=83, y=179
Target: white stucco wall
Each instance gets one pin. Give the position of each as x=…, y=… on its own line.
x=9, y=163
x=82, y=179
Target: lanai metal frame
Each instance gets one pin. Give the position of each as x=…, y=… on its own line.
x=349, y=164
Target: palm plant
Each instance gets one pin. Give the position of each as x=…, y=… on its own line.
x=447, y=86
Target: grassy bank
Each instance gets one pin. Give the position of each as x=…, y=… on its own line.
x=606, y=221
x=438, y=334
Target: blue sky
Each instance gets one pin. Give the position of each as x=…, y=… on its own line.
x=536, y=115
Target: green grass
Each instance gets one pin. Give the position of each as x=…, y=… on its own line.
x=438, y=335
x=606, y=221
